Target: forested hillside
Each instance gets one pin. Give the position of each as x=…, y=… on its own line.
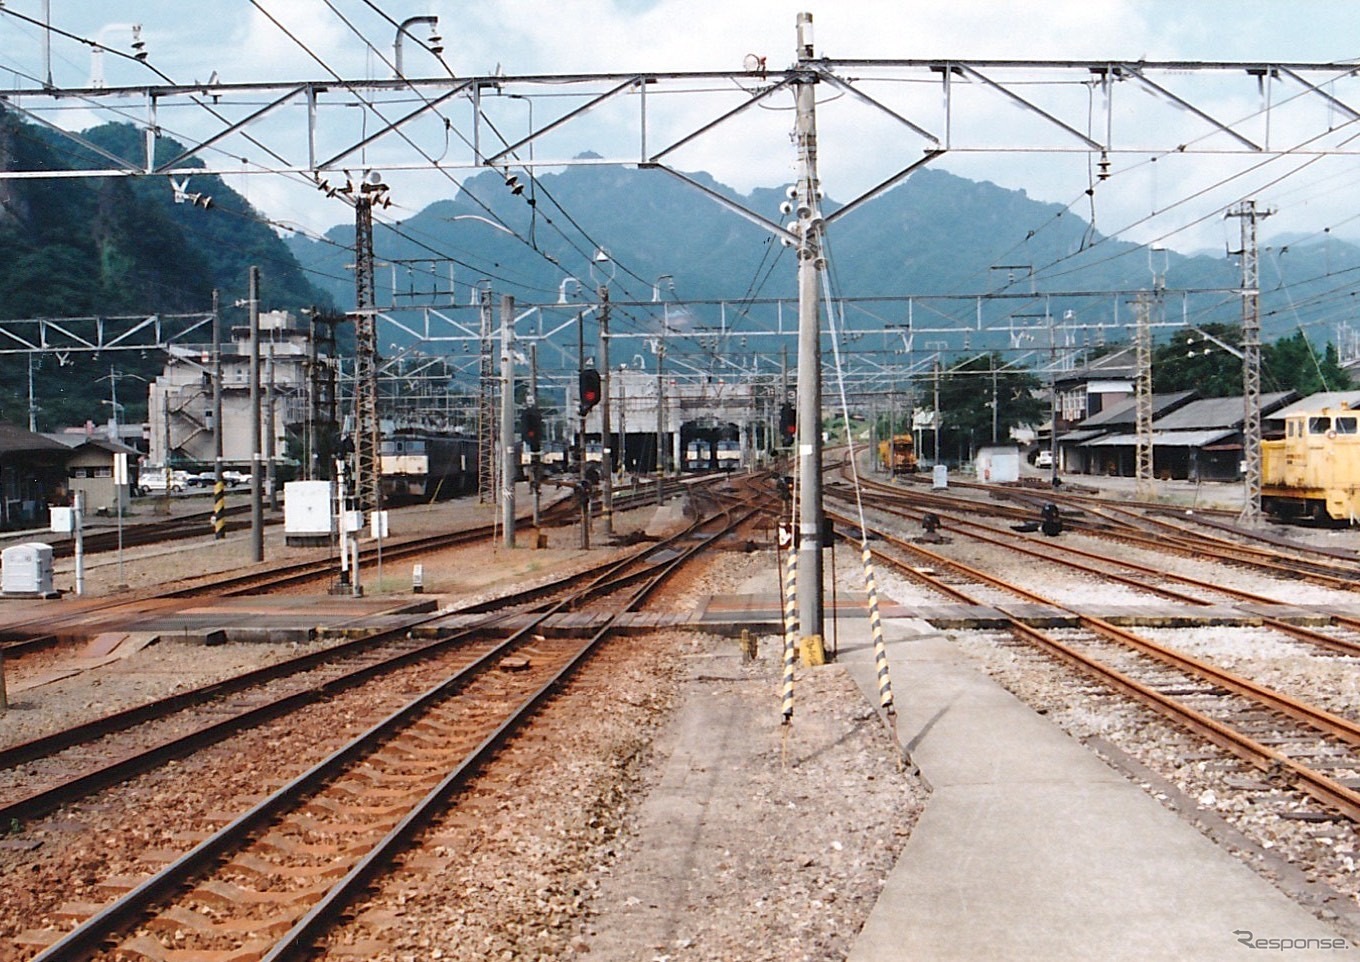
x=108, y=247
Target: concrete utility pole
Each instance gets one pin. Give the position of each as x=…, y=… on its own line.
x=271, y=438
x=535, y=457
x=661, y=410
x=935, y=409
x=1251, y=361
x=256, y=505
x=507, y=421
x=219, y=520
x=486, y=448
x=1052, y=404
x=811, y=262
x=991, y=359
x=583, y=483
x=607, y=435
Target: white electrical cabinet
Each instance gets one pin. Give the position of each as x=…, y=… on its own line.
x=309, y=512
x=998, y=465
x=26, y=569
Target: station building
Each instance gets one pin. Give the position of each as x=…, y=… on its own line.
x=1193, y=438
x=32, y=476
x=645, y=406
x=89, y=468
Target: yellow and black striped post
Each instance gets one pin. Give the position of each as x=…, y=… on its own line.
x=885, y=692
x=790, y=631
x=219, y=511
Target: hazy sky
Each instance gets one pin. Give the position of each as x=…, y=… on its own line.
x=235, y=39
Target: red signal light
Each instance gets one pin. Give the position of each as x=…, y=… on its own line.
x=590, y=389
x=788, y=424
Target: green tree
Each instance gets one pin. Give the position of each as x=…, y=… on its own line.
x=966, y=393
x=1195, y=360
x=1292, y=363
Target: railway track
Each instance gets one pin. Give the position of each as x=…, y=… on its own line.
x=130, y=737
x=1157, y=533
x=1316, y=751
x=140, y=533
x=272, y=880
x=39, y=634
x=1141, y=577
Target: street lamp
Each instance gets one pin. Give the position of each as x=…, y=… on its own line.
x=599, y=263
x=114, y=406
x=433, y=44
x=99, y=46
x=485, y=220
x=562, y=289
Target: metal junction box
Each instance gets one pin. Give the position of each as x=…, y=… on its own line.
x=26, y=569
x=309, y=512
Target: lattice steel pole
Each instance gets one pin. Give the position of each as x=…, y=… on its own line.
x=486, y=408
x=367, y=479
x=1143, y=470
x=1251, y=362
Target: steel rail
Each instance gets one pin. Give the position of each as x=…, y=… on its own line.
x=366, y=647
x=1328, y=572
x=1140, y=515
x=95, y=931
x=1052, y=553
x=606, y=576
x=1326, y=790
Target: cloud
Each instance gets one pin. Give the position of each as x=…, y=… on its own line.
x=858, y=146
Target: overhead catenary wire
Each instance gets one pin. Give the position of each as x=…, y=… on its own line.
x=216, y=114
x=586, y=255
x=369, y=106
x=390, y=20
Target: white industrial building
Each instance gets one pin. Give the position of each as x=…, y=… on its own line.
x=180, y=405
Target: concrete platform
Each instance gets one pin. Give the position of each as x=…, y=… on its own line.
x=1031, y=848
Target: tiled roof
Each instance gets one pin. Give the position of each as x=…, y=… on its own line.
x=16, y=440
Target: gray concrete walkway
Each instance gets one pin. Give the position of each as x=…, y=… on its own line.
x=1031, y=848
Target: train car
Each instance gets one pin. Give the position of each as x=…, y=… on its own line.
x=554, y=457
x=1313, y=472
x=427, y=466
x=897, y=456
x=697, y=456
x=729, y=455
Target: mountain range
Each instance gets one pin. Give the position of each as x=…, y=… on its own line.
x=987, y=267
x=942, y=238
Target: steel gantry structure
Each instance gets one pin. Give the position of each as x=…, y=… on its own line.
x=311, y=130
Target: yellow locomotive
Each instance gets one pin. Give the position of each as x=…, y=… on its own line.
x=1314, y=470
x=897, y=456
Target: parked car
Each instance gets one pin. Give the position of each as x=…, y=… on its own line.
x=1044, y=459
x=206, y=479
x=151, y=481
